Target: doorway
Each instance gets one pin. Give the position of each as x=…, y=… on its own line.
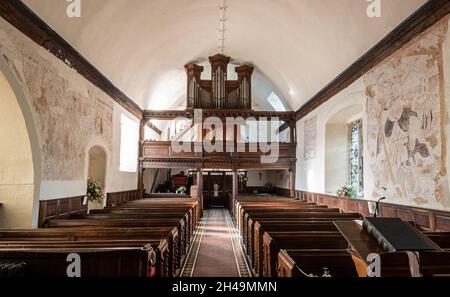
x=217, y=188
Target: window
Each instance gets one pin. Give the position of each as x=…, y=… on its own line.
x=275, y=102
x=356, y=157
x=129, y=139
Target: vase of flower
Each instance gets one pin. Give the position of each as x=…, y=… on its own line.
x=346, y=191
x=95, y=194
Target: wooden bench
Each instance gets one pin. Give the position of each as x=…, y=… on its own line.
x=248, y=228
x=153, y=239
x=105, y=262
x=261, y=226
x=274, y=242
x=306, y=263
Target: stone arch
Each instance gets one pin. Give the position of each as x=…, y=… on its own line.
x=21, y=159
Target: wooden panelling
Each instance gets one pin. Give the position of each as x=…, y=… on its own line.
x=442, y=220
x=427, y=219
x=122, y=197
x=60, y=208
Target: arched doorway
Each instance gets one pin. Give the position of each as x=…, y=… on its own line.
x=97, y=172
x=17, y=175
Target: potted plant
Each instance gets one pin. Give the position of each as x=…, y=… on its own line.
x=347, y=191
x=94, y=191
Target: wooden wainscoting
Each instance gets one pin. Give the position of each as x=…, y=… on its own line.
x=427, y=219
x=121, y=197
x=60, y=208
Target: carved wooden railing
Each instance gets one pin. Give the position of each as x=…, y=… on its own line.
x=158, y=153
x=164, y=149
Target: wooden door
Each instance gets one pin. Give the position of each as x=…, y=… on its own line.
x=217, y=187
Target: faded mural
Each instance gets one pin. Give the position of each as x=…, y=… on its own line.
x=407, y=122
x=68, y=111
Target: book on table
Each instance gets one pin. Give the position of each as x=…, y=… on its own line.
x=394, y=234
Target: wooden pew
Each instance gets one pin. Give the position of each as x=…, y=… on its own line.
x=153, y=239
x=243, y=200
x=174, y=249
x=261, y=226
x=247, y=212
x=248, y=227
x=105, y=262
x=185, y=234
x=297, y=263
x=164, y=226
x=442, y=239
x=274, y=242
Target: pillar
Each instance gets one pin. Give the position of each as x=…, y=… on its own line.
x=235, y=184
x=140, y=183
x=200, y=191
x=292, y=182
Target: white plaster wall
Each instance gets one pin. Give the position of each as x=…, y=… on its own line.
x=254, y=179
x=149, y=177
x=278, y=178
x=336, y=157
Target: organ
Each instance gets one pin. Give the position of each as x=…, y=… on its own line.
x=219, y=92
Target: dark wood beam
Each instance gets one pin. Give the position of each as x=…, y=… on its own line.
x=422, y=19
x=26, y=21
x=154, y=127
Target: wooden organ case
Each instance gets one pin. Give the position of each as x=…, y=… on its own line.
x=219, y=92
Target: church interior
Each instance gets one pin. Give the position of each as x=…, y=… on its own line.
x=224, y=138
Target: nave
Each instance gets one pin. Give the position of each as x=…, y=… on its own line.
x=310, y=139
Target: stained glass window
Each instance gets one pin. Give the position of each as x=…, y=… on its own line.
x=356, y=157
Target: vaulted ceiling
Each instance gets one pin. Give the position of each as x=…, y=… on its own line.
x=297, y=46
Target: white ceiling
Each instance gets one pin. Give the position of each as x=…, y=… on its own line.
x=297, y=46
